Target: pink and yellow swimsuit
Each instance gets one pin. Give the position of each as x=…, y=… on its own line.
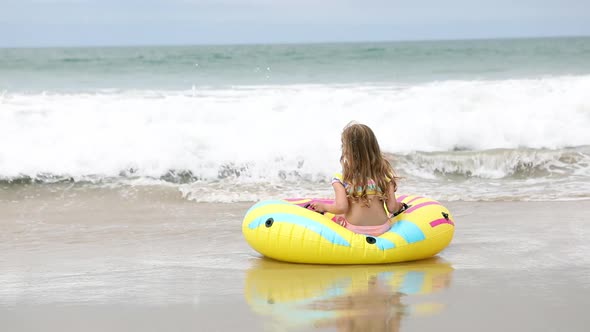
x=372, y=189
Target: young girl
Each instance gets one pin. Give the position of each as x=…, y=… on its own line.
x=366, y=186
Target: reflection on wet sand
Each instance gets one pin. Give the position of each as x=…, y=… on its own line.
x=348, y=298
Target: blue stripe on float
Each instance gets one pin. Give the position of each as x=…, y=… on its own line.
x=384, y=244
x=314, y=226
x=408, y=230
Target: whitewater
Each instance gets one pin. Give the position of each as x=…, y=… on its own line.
x=289, y=134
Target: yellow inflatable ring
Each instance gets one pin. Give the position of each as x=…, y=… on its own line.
x=287, y=231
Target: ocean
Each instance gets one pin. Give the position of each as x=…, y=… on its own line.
x=125, y=174
x=460, y=120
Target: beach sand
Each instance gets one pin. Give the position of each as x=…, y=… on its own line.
x=73, y=258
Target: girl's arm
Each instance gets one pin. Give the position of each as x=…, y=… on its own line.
x=392, y=204
x=340, y=205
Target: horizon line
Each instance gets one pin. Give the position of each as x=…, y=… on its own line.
x=278, y=43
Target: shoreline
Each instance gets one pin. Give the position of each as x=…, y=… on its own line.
x=119, y=263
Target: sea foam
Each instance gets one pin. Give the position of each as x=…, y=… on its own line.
x=276, y=133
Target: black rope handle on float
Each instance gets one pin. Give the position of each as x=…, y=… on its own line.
x=404, y=208
x=306, y=206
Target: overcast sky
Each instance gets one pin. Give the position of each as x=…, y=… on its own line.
x=154, y=22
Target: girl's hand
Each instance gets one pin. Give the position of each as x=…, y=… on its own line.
x=403, y=207
x=318, y=207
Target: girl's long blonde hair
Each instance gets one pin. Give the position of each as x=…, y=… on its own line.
x=362, y=161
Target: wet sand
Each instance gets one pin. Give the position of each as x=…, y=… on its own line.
x=119, y=260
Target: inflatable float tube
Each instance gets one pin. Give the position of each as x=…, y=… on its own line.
x=287, y=231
